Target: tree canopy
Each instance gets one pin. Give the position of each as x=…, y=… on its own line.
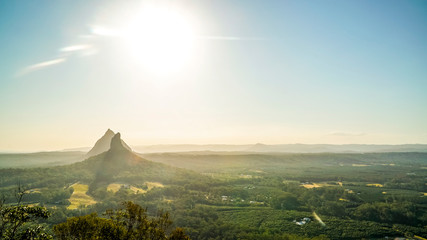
x=130, y=222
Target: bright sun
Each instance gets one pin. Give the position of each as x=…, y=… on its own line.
x=160, y=38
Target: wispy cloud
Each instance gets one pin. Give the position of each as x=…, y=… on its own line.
x=75, y=48
x=64, y=54
x=81, y=50
x=41, y=65
x=346, y=134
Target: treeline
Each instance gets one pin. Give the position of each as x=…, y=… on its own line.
x=20, y=222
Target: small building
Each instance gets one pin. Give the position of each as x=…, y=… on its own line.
x=303, y=221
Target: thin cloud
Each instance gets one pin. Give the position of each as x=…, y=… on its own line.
x=41, y=65
x=82, y=50
x=75, y=48
x=66, y=52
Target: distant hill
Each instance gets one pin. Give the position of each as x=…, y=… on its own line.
x=285, y=148
x=190, y=148
x=103, y=144
x=68, y=156
x=40, y=159
x=78, y=149
x=222, y=162
x=331, y=148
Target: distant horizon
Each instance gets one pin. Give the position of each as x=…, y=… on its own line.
x=87, y=148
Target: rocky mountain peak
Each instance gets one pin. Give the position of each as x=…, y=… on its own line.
x=106, y=142
x=117, y=143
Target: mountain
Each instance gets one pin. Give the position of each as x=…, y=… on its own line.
x=120, y=165
x=118, y=157
x=103, y=144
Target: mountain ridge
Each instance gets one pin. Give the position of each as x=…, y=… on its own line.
x=104, y=143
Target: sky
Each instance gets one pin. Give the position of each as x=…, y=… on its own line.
x=232, y=72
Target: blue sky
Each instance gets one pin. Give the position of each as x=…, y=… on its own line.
x=260, y=71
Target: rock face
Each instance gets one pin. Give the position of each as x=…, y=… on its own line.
x=104, y=143
x=119, y=156
x=117, y=159
x=117, y=143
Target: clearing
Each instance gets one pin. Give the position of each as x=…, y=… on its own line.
x=79, y=197
x=114, y=187
x=374, y=185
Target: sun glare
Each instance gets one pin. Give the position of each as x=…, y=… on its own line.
x=160, y=38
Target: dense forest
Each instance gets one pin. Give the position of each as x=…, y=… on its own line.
x=213, y=195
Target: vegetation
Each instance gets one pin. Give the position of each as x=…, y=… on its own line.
x=17, y=221
x=241, y=196
x=129, y=223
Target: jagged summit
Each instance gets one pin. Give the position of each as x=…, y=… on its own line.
x=117, y=143
x=105, y=142
x=118, y=155
x=117, y=159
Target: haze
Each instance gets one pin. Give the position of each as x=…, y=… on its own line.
x=202, y=72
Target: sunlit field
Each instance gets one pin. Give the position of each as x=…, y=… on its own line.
x=79, y=198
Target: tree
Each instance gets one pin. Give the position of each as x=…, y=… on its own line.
x=286, y=201
x=17, y=221
x=130, y=222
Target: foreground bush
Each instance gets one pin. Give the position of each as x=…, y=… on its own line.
x=130, y=222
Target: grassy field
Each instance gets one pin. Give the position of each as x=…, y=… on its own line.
x=80, y=197
x=114, y=187
x=151, y=185
x=374, y=185
x=318, y=185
